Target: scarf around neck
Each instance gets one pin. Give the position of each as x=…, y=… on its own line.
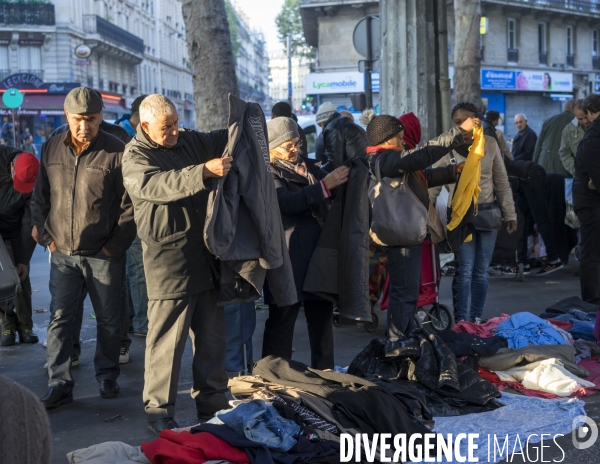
x=299, y=168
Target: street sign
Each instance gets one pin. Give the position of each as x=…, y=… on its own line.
x=12, y=98
x=365, y=44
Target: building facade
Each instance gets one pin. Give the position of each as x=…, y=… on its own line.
x=122, y=48
x=278, y=79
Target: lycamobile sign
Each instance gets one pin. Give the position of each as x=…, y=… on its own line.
x=326, y=83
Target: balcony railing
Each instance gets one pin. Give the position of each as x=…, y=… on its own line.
x=543, y=57
x=571, y=60
x=512, y=55
x=596, y=62
x=4, y=73
x=577, y=5
x=34, y=14
x=94, y=24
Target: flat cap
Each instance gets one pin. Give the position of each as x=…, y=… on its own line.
x=82, y=100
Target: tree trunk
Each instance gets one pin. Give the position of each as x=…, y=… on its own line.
x=467, y=58
x=211, y=56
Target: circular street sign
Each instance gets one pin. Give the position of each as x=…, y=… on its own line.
x=83, y=51
x=359, y=37
x=12, y=98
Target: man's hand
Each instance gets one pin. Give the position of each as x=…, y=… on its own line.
x=35, y=235
x=218, y=167
x=337, y=177
x=106, y=252
x=511, y=226
x=22, y=271
x=52, y=247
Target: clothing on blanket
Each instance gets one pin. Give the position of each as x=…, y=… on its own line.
x=114, y=452
x=484, y=330
x=523, y=329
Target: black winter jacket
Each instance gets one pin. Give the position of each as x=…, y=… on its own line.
x=524, y=145
x=339, y=267
x=587, y=168
x=299, y=204
x=343, y=141
x=79, y=201
x=243, y=223
x=15, y=214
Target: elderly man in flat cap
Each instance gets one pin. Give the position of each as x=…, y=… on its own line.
x=81, y=211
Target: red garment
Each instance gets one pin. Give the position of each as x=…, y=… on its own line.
x=485, y=330
x=187, y=448
x=412, y=129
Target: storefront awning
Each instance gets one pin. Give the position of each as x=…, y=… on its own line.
x=43, y=102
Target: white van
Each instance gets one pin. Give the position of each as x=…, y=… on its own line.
x=309, y=124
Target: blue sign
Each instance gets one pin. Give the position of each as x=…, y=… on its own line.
x=375, y=81
x=498, y=79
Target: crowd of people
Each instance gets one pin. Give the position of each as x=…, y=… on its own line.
x=124, y=210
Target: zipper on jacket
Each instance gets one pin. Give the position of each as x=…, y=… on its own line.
x=73, y=202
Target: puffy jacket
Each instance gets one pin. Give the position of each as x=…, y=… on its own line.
x=243, y=223
x=169, y=197
x=80, y=200
x=15, y=213
x=343, y=140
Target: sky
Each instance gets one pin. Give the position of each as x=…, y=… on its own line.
x=262, y=15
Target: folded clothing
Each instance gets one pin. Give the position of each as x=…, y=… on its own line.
x=508, y=358
x=185, y=447
x=548, y=375
x=523, y=329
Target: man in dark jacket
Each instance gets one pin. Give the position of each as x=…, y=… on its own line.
x=166, y=172
x=586, y=201
x=18, y=172
x=524, y=143
x=343, y=138
x=548, y=143
x=82, y=212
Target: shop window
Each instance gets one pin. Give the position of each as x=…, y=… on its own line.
x=542, y=43
x=569, y=40
x=511, y=34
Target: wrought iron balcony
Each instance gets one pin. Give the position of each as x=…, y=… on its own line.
x=512, y=55
x=29, y=14
x=94, y=24
x=543, y=57
x=571, y=60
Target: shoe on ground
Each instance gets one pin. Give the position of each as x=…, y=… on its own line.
x=109, y=389
x=45, y=344
x=139, y=333
x=159, y=425
x=512, y=270
x=27, y=336
x=9, y=337
x=477, y=321
x=495, y=270
x=56, y=396
x=549, y=268
x=124, y=355
x=74, y=362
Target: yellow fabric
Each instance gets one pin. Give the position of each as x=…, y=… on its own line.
x=468, y=189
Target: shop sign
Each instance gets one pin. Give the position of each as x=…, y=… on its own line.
x=62, y=87
x=83, y=62
x=532, y=81
x=34, y=42
x=83, y=51
x=338, y=82
x=23, y=81
x=4, y=42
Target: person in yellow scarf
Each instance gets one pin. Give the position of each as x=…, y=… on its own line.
x=483, y=181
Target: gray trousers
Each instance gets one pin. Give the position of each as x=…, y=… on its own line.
x=169, y=322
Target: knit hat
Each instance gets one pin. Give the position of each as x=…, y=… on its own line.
x=325, y=111
x=380, y=128
x=412, y=130
x=280, y=131
x=24, y=428
x=26, y=172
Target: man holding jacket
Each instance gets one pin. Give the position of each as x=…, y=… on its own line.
x=166, y=172
x=82, y=212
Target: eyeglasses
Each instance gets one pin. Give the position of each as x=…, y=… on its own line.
x=290, y=147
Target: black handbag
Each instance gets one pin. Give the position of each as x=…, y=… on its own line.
x=488, y=217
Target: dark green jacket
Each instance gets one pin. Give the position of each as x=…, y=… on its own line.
x=548, y=143
x=169, y=198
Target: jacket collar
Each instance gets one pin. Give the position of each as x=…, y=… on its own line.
x=292, y=176
x=144, y=140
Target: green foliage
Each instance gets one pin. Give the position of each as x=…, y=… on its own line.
x=288, y=22
x=234, y=33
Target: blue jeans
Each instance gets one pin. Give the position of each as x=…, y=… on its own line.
x=404, y=269
x=262, y=423
x=474, y=259
x=102, y=278
x=138, y=291
x=240, y=322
